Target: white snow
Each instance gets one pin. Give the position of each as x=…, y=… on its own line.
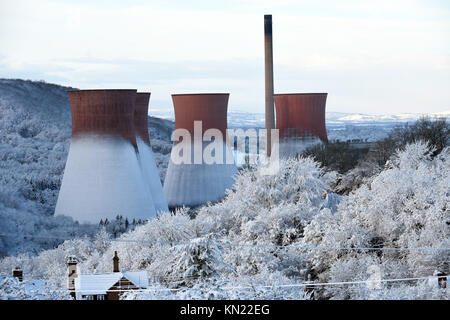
x=239, y=241
x=341, y=117
x=103, y=179
x=237, y=119
x=403, y=206
x=12, y=289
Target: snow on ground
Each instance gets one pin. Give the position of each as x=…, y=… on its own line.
x=12, y=289
x=272, y=233
x=337, y=117
x=35, y=130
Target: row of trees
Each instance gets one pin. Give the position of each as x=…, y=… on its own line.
x=260, y=239
x=272, y=232
x=119, y=225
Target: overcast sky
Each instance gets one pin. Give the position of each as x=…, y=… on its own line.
x=370, y=56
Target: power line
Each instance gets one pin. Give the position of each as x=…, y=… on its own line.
x=312, y=284
x=340, y=248
x=240, y=244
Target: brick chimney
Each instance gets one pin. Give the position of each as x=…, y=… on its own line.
x=18, y=273
x=116, y=262
x=71, y=274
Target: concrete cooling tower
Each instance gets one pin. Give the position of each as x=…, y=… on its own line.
x=145, y=155
x=300, y=118
x=198, y=182
x=102, y=177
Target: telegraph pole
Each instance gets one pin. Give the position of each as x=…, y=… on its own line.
x=268, y=63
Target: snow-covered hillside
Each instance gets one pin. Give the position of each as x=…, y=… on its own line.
x=35, y=129
x=250, y=119
x=272, y=233
x=12, y=289
x=353, y=118
x=264, y=240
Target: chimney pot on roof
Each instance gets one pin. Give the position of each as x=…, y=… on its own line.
x=116, y=262
x=442, y=280
x=72, y=273
x=72, y=260
x=18, y=273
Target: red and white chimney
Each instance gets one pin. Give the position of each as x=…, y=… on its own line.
x=199, y=178
x=102, y=177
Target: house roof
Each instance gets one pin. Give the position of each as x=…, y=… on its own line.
x=93, y=284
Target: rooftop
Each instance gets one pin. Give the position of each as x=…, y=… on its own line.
x=93, y=284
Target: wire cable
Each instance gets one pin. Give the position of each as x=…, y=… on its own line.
x=243, y=245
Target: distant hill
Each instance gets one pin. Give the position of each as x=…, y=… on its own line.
x=360, y=118
x=251, y=119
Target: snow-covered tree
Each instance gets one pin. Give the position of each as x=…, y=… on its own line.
x=12, y=289
x=272, y=233
x=405, y=206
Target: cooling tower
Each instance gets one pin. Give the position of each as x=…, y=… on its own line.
x=300, y=118
x=145, y=155
x=198, y=182
x=102, y=177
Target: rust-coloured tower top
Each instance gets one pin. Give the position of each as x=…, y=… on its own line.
x=300, y=114
x=141, y=116
x=109, y=112
x=210, y=108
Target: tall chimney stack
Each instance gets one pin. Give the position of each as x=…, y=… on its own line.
x=115, y=262
x=18, y=273
x=268, y=63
